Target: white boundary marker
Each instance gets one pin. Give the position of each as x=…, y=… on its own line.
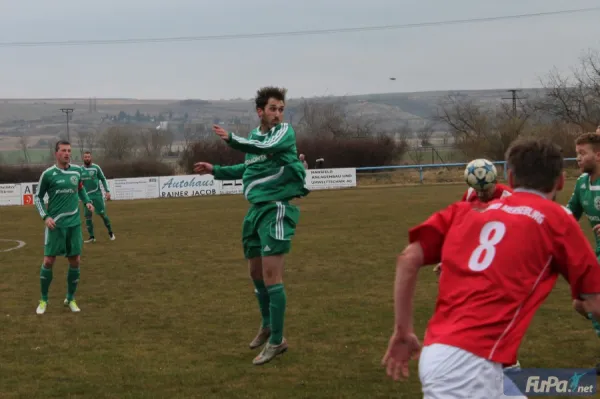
x=20, y=244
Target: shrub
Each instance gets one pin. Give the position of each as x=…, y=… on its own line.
x=21, y=174
x=347, y=153
x=136, y=168
x=337, y=153
x=213, y=151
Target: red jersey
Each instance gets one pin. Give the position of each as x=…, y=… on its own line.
x=500, y=264
x=501, y=191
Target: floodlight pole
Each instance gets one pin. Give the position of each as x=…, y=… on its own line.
x=67, y=111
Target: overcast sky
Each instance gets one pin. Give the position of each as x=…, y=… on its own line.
x=501, y=54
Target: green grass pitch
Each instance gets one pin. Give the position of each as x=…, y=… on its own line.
x=168, y=308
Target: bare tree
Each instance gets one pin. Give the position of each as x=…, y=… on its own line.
x=119, y=143
x=24, y=144
x=424, y=134
x=82, y=140
x=329, y=119
x=153, y=141
x=479, y=131
x=574, y=99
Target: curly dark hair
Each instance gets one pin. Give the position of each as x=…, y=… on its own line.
x=264, y=93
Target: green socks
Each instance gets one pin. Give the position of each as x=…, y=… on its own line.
x=107, y=223
x=277, y=302
x=90, y=226
x=263, y=302
x=45, y=280
x=72, y=281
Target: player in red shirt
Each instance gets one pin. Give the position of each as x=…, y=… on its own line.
x=500, y=264
x=481, y=198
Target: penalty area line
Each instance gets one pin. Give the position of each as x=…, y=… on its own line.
x=20, y=244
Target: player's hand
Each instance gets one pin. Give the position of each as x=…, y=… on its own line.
x=90, y=207
x=50, y=223
x=597, y=230
x=222, y=133
x=203, y=168
x=401, y=349
x=107, y=196
x=438, y=270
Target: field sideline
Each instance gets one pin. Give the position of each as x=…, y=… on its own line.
x=168, y=309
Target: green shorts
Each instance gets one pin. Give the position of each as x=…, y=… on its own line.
x=268, y=229
x=98, y=202
x=63, y=241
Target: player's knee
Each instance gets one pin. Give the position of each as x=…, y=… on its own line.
x=74, y=261
x=255, y=268
x=272, y=269
x=49, y=261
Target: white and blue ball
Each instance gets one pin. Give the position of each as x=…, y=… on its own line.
x=480, y=174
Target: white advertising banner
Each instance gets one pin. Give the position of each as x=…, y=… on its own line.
x=326, y=179
x=28, y=191
x=134, y=188
x=231, y=187
x=188, y=186
x=10, y=194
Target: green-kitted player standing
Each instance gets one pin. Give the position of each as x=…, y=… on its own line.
x=586, y=195
x=63, y=237
x=92, y=176
x=272, y=176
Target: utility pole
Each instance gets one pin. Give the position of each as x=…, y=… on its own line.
x=514, y=99
x=67, y=111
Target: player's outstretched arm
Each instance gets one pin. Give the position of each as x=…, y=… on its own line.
x=232, y=172
x=281, y=138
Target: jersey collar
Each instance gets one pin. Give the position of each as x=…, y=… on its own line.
x=526, y=190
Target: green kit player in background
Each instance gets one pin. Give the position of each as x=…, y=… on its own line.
x=272, y=176
x=92, y=176
x=62, y=183
x=586, y=195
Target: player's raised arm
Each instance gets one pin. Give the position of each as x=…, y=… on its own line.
x=280, y=138
x=38, y=198
x=576, y=261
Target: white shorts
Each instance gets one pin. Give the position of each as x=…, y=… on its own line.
x=447, y=372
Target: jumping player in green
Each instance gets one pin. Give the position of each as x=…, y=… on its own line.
x=586, y=195
x=272, y=176
x=63, y=237
x=92, y=176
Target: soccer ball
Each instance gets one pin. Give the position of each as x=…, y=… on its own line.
x=480, y=174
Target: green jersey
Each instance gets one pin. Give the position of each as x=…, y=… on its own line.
x=586, y=199
x=271, y=170
x=92, y=176
x=64, y=188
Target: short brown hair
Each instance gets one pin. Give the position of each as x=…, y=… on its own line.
x=536, y=164
x=264, y=93
x=59, y=143
x=87, y=152
x=592, y=139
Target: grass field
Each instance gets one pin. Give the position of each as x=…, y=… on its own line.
x=168, y=310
